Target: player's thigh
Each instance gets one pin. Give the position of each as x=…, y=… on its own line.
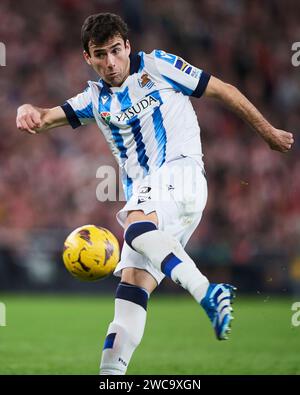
x=139, y=277
x=139, y=215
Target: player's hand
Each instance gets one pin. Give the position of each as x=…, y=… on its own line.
x=280, y=140
x=28, y=119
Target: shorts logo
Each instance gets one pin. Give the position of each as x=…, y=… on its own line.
x=106, y=117
x=145, y=81
x=144, y=194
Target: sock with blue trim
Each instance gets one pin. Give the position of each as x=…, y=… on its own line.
x=126, y=330
x=167, y=255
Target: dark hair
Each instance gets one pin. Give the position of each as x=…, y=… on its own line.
x=99, y=28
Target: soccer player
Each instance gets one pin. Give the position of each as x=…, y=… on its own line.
x=141, y=105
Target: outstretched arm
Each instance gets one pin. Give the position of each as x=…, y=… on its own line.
x=277, y=139
x=34, y=120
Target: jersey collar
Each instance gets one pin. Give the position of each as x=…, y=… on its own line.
x=135, y=62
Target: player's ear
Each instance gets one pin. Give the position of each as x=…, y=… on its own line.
x=87, y=58
x=127, y=46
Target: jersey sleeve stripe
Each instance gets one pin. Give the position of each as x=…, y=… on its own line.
x=179, y=87
x=86, y=112
x=71, y=115
x=202, y=84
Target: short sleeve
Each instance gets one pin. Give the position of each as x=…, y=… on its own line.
x=181, y=75
x=79, y=109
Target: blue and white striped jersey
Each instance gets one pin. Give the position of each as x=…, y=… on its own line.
x=149, y=120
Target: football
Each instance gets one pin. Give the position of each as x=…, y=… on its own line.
x=91, y=253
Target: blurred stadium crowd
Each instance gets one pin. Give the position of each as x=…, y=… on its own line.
x=49, y=181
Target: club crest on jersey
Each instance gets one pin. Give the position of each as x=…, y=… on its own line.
x=145, y=81
x=106, y=117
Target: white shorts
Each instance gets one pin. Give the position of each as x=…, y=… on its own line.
x=177, y=192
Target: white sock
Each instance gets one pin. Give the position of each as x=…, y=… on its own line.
x=168, y=255
x=126, y=331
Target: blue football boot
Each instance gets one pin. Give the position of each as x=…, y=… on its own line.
x=217, y=304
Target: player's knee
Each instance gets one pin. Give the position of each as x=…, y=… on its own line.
x=137, y=229
x=140, y=278
x=132, y=293
x=145, y=238
x=139, y=215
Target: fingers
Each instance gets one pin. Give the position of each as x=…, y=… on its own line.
x=290, y=141
x=287, y=148
x=283, y=147
x=24, y=127
x=28, y=122
x=290, y=138
x=36, y=117
x=287, y=140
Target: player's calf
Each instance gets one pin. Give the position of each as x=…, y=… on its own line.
x=168, y=255
x=126, y=331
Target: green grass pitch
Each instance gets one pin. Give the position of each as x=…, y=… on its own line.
x=65, y=334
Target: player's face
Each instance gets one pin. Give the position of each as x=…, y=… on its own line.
x=111, y=60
